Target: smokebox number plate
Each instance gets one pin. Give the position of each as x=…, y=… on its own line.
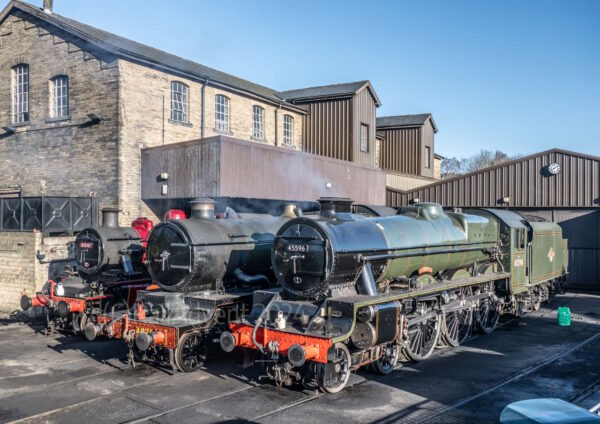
x=303, y=248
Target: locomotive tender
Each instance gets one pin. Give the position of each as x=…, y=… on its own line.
x=110, y=271
x=357, y=291
x=207, y=269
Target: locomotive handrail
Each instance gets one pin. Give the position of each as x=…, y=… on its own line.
x=258, y=242
x=423, y=251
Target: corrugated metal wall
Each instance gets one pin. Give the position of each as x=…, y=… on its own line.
x=525, y=182
x=328, y=129
x=401, y=150
x=363, y=109
x=570, y=198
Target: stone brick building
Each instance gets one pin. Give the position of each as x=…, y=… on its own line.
x=119, y=96
x=78, y=105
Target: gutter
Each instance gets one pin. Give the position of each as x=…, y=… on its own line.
x=133, y=56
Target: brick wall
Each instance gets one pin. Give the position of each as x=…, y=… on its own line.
x=58, y=158
x=20, y=269
x=144, y=103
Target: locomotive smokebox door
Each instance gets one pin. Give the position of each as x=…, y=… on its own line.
x=300, y=257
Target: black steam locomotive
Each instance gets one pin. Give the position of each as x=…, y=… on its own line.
x=357, y=291
x=109, y=272
x=207, y=269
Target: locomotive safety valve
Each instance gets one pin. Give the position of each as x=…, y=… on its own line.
x=144, y=340
x=298, y=355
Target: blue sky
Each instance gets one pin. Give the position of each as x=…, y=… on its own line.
x=520, y=76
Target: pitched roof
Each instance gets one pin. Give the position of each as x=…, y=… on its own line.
x=500, y=165
x=124, y=47
x=405, y=121
x=328, y=91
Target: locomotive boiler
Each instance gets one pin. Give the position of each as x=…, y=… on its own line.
x=204, y=253
x=319, y=258
x=357, y=291
x=207, y=269
x=110, y=270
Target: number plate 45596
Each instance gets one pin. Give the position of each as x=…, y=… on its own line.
x=297, y=248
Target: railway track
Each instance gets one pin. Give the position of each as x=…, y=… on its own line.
x=434, y=413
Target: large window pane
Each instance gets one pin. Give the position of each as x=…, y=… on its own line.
x=258, y=118
x=221, y=113
x=20, y=91
x=179, y=102
x=59, y=97
x=288, y=130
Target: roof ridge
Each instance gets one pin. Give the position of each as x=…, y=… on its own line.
x=499, y=165
x=72, y=25
x=326, y=85
x=408, y=114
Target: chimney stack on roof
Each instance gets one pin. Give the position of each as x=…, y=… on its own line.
x=48, y=6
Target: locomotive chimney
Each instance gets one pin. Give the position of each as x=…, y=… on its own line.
x=48, y=6
x=331, y=206
x=202, y=208
x=110, y=217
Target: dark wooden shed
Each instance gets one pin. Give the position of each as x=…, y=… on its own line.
x=340, y=122
x=407, y=144
x=554, y=185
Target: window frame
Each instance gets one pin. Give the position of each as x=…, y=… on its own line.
x=180, y=108
x=428, y=157
x=20, y=101
x=222, y=125
x=258, y=126
x=54, y=108
x=288, y=139
x=364, y=149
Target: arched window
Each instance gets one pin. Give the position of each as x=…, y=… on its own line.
x=288, y=130
x=179, y=102
x=221, y=113
x=59, y=97
x=258, y=121
x=20, y=93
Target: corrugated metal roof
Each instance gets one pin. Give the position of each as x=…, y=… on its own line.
x=327, y=91
x=405, y=121
x=525, y=182
x=122, y=46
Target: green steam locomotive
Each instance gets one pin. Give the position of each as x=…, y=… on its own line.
x=356, y=291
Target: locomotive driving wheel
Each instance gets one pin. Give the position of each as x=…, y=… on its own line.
x=332, y=378
x=389, y=359
x=190, y=353
x=423, y=333
x=487, y=314
x=458, y=324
